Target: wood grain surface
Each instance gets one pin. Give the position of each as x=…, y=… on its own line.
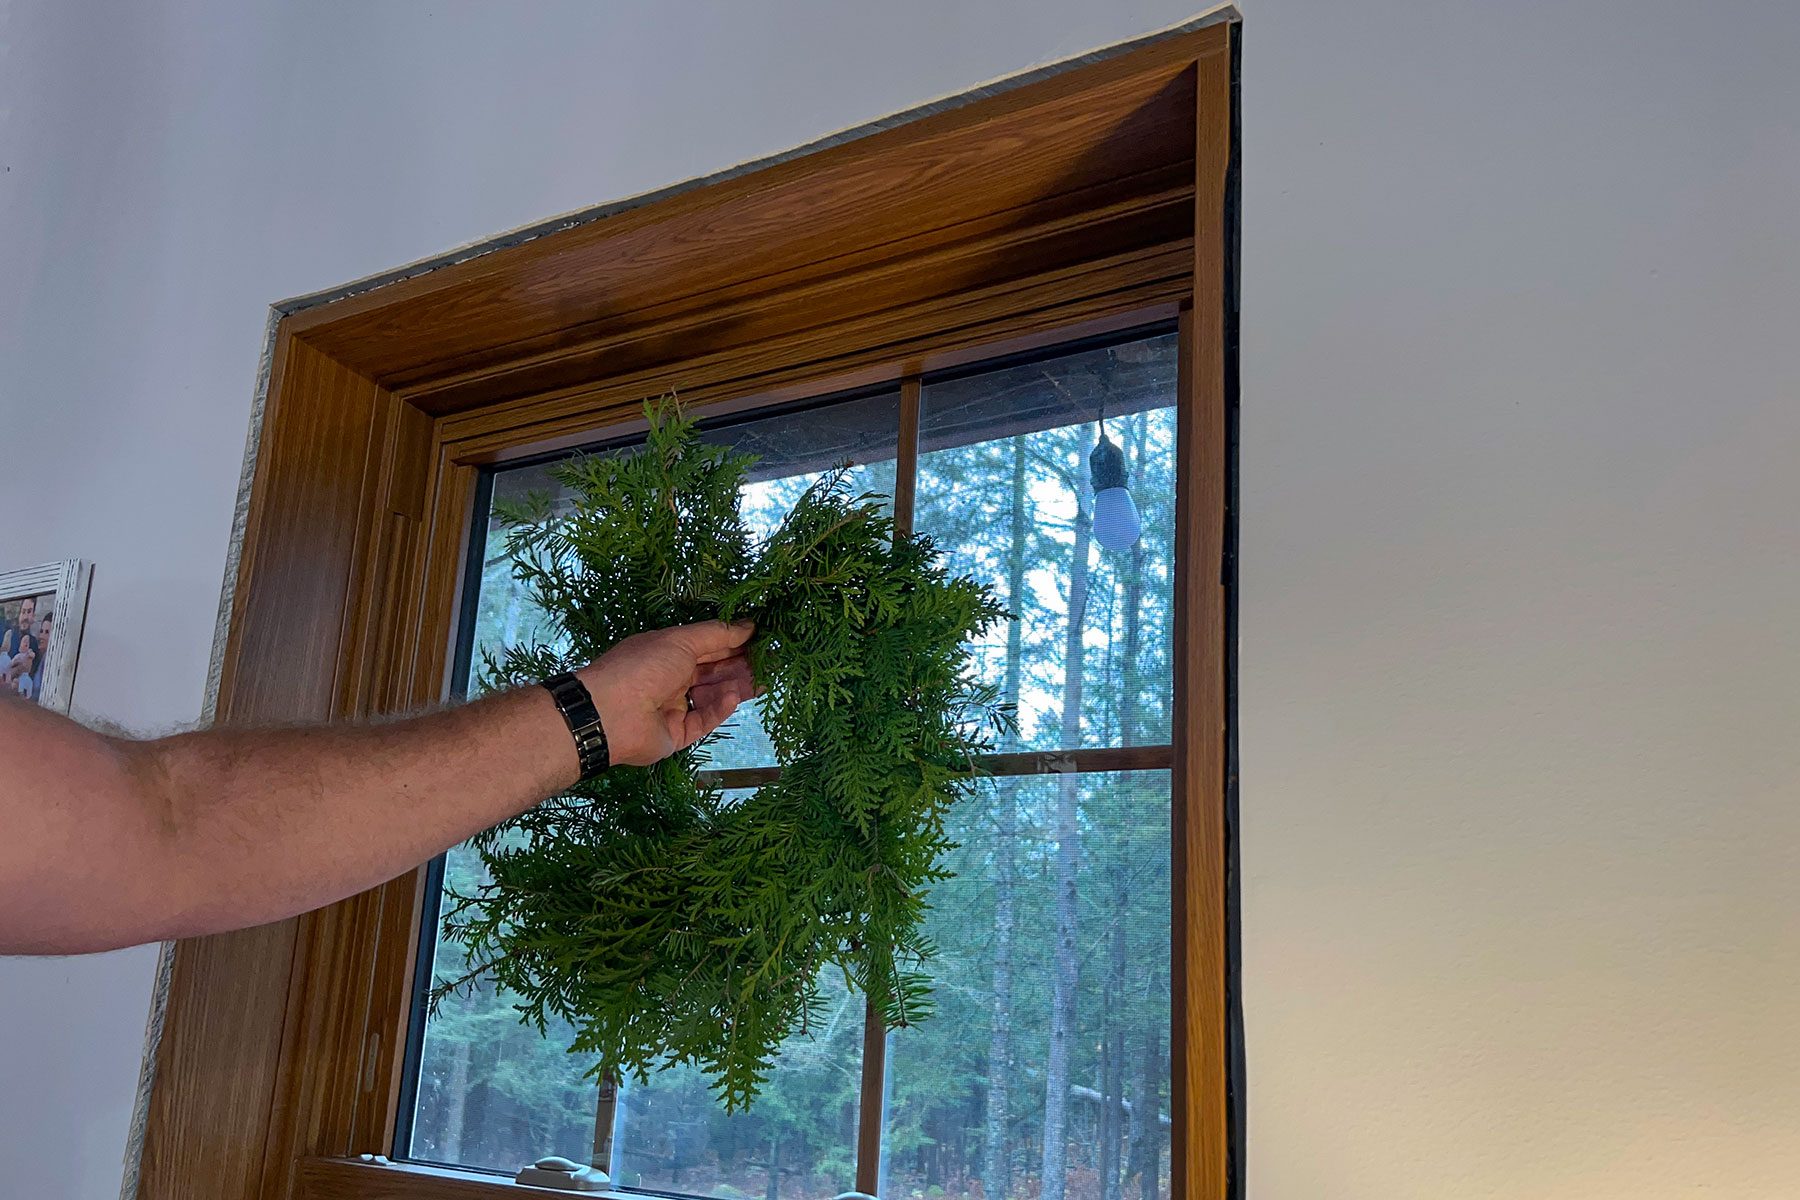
x=1201, y=1133
x=228, y=1016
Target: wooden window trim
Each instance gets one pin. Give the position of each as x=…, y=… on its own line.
x=1096, y=198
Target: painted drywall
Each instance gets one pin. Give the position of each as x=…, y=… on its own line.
x=1522, y=410
x=1521, y=671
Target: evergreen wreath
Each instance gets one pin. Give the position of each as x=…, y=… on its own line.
x=665, y=923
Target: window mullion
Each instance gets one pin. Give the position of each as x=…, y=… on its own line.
x=906, y=457
x=870, y=1109
x=1078, y=760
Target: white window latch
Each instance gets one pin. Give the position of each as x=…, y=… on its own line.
x=564, y=1173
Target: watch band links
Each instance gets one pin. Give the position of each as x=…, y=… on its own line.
x=583, y=719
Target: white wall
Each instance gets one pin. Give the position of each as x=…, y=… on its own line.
x=1520, y=675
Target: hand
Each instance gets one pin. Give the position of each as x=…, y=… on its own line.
x=641, y=688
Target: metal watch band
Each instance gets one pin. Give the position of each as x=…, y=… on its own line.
x=583, y=719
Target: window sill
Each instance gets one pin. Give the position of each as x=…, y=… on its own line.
x=353, y=1179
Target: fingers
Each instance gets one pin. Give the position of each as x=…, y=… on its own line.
x=736, y=667
x=739, y=687
x=710, y=641
x=713, y=705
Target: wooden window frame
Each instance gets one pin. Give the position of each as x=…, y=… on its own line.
x=1086, y=201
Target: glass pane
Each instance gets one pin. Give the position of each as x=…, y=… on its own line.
x=493, y=1093
x=797, y=1140
x=1004, y=488
x=794, y=451
x=504, y=613
x=974, y=1095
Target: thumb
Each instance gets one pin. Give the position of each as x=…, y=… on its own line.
x=710, y=641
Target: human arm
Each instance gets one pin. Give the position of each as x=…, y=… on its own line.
x=110, y=842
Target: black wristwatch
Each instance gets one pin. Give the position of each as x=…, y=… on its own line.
x=583, y=719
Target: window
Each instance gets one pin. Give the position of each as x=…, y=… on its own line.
x=1074, y=203
x=1052, y=984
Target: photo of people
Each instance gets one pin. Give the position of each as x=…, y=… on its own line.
x=27, y=628
x=42, y=610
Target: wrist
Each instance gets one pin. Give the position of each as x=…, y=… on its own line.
x=549, y=742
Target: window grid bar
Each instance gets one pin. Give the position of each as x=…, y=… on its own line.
x=870, y=1108
x=1083, y=761
x=906, y=455
x=869, y=1112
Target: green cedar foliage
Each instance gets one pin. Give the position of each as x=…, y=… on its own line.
x=667, y=924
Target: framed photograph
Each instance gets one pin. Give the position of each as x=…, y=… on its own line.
x=41, y=610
